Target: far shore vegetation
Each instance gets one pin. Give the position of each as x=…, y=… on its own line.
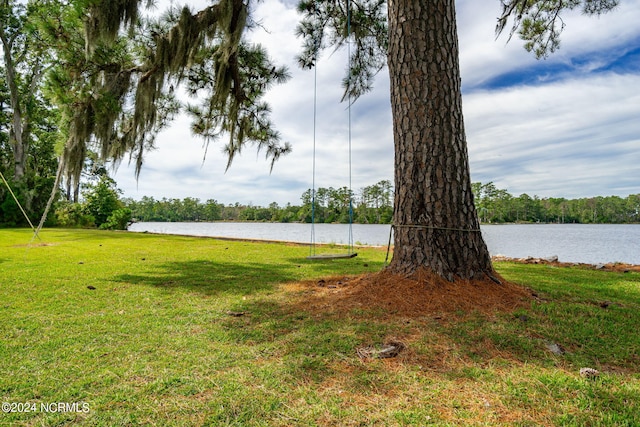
x=100, y=205
x=373, y=204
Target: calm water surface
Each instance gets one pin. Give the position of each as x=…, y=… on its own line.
x=570, y=242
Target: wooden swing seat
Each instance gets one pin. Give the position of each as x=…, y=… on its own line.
x=332, y=256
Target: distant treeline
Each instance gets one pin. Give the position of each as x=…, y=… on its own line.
x=371, y=205
x=495, y=205
x=374, y=205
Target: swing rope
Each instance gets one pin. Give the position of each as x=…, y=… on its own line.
x=19, y=205
x=312, y=246
x=349, y=124
x=350, y=243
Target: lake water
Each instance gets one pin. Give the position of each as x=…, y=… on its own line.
x=585, y=243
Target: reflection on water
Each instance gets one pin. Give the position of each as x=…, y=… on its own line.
x=570, y=242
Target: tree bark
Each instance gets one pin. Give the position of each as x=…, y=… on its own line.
x=20, y=131
x=435, y=222
x=16, y=139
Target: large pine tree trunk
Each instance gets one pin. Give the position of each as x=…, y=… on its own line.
x=436, y=225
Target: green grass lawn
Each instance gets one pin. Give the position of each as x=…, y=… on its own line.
x=157, y=343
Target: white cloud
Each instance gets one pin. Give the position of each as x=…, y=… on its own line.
x=573, y=138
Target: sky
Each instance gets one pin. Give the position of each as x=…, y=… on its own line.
x=567, y=126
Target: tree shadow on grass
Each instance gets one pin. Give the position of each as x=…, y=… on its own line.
x=591, y=334
x=338, y=267
x=311, y=344
x=211, y=278
x=521, y=334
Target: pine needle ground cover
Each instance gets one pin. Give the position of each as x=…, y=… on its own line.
x=119, y=329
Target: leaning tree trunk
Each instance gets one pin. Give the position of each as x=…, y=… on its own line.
x=435, y=222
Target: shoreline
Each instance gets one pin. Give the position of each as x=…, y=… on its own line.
x=553, y=261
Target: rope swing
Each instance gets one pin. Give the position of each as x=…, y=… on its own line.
x=312, y=247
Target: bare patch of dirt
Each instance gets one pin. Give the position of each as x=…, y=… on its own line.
x=35, y=245
x=424, y=294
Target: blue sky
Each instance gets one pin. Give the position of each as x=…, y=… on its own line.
x=568, y=126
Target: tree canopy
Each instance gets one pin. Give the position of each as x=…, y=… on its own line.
x=125, y=69
x=539, y=23
x=114, y=72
